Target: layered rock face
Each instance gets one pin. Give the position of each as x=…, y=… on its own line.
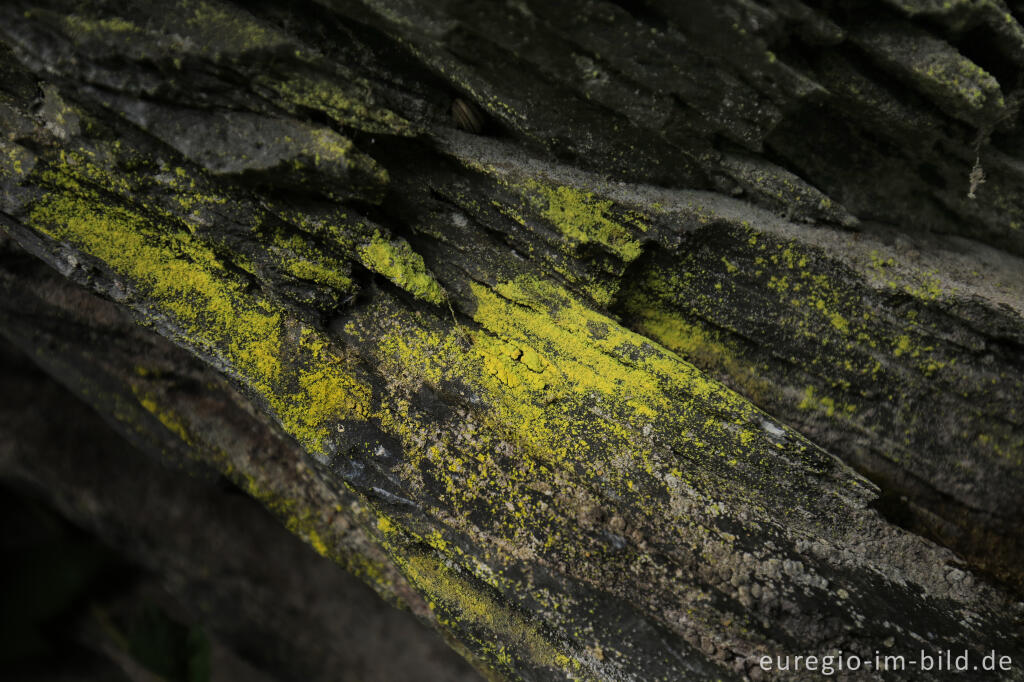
x=615, y=340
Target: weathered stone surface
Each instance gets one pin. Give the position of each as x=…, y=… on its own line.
x=194, y=545
x=699, y=351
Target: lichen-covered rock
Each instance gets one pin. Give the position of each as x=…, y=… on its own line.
x=697, y=352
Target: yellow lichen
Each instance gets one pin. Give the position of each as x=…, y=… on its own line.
x=346, y=103
x=453, y=596
x=397, y=261
x=582, y=217
x=173, y=422
x=701, y=347
x=186, y=283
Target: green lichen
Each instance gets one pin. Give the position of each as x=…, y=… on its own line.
x=926, y=286
x=703, y=347
x=524, y=310
x=330, y=275
x=785, y=191
x=457, y=601
x=191, y=196
x=296, y=255
x=569, y=395
x=228, y=29
x=188, y=285
x=834, y=353
x=328, y=150
x=937, y=68
x=171, y=421
x=396, y=260
x=339, y=227
x=543, y=359
x=345, y=103
x=15, y=161
x=79, y=26
x=968, y=81
x=212, y=30
x=582, y=217
x=826, y=404
x=278, y=493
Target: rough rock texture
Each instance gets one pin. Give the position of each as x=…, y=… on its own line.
x=616, y=340
x=269, y=607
